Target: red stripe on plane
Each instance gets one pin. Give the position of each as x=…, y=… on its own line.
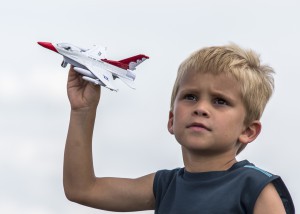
x=116, y=63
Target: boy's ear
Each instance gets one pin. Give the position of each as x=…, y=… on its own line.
x=170, y=122
x=250, y=132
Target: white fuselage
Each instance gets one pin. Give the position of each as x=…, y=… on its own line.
x=79, y=58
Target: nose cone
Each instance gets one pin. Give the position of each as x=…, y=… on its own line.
x=48, y=45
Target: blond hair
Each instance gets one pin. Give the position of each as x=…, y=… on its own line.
x=256, y=80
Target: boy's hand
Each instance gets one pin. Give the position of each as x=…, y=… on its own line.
x=82, y=94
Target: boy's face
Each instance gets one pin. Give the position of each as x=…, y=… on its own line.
x=208, y=113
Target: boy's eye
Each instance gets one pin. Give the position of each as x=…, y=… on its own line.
x=190, y=97
x=220, y=101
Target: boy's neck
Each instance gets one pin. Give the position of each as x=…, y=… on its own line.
x=206, y=163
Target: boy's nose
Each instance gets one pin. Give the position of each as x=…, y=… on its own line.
x=201, y=113
x=201, y=110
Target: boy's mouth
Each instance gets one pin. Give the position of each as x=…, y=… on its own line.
x=198, y=126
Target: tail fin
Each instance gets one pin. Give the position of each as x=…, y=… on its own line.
x=134, y=61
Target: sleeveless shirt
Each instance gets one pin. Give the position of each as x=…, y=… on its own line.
x=232, y=191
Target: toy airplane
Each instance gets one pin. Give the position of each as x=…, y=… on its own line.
x=93, y=65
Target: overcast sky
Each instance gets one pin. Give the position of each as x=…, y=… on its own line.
x=131, y=138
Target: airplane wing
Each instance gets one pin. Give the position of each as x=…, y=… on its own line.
x=96, y=52
x=128, y=82
x=103, y=75
x=134, y=61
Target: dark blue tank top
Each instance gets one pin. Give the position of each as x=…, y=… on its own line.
x=232, y=191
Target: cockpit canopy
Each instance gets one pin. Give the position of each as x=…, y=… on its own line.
x=70, y=47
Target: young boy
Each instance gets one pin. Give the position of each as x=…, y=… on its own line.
x=218, y=98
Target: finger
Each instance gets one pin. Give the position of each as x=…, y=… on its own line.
x=72, y=73
x=74, y=76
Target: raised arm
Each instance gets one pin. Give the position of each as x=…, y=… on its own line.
x=80, y=183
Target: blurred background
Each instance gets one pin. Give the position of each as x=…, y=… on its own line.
x=130, y=137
